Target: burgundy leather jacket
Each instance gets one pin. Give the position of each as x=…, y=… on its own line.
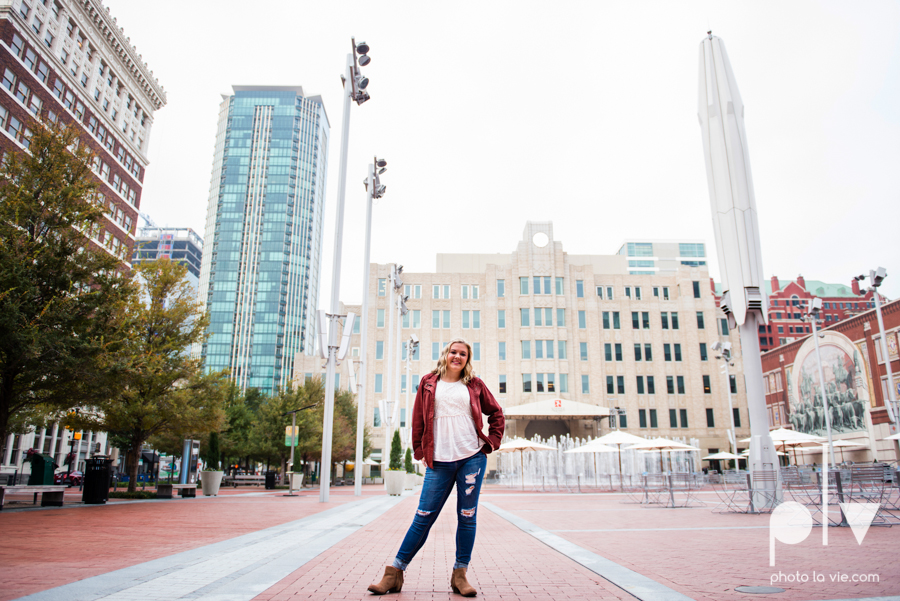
x=481, y=401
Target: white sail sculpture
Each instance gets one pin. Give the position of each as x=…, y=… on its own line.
x=721, y=114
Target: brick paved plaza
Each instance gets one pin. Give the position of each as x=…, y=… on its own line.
x=256, y=544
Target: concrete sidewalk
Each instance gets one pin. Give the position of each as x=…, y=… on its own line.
x=255, y=544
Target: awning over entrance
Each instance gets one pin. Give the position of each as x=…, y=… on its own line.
x=556, y=409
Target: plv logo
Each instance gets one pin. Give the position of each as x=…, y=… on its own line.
x=791, y=522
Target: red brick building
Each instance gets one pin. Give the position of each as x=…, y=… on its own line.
x=787, y=302
x=69, y=61
x=855, y=374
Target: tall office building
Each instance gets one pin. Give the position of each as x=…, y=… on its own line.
x=260, y=272
x=69, y=61
x=654, y=257
x=180, y=244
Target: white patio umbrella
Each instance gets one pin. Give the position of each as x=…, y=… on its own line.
x=593, y=447
x=892, y=437
x=521, y=445
x=662, y=444
x=791, y=438
x=842, y=444
x=720, y=456
x=618, y=438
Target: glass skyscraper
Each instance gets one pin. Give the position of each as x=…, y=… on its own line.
x=263, y=255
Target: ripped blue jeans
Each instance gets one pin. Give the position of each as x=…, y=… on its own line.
x=467, y=474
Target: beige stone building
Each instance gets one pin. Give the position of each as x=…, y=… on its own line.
x=549, y=325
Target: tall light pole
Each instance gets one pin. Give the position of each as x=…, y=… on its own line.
x=354, y=89
x=412, y=345
x=812, y=316
x=396, y=270
x=724, y=350
x=374, y=190
x=876, y=277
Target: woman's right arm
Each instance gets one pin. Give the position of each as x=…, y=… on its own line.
x=418, y=424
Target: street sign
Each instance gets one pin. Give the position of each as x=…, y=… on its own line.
x=290, y=435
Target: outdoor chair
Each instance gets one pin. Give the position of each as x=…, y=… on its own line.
x=656, y=489
x=682, y=489
x=733, y=494
x=635, y=488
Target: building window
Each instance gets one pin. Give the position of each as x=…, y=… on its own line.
x=599, y=291
x=635, y=320
x=579, y=288
x=645, y=319
x=583, y=349
x=524, y=317
x=564, y=382
x=582, y=320
x=465, y=320
x=501, y=386
x=674, y=316
x=607, y=351
x=410, y=290
x=562, y=349
x=382, y=286
x=703, y=355
x=609, y=293
x=501, y=351
x=618, y=351
x=680, y=381
x=627, y=291
x=378, y=383
x=667, y=352
x=615, y=319
x=435, y=351
x=696, y=289
x=677, y=349
x=670, y=384
x=585, y=384
x=610, y=385
x=605, y=320
x=620, y=384
x=637, y=352
x=501, y=288
x=737, y=417
x=446, y=319
x=723, y=326
x=523, y=285
x=526, y=349
x=559, y=286
x=651, y=385
x=673, y=418
x=561, y=318
x=664, y=317
x=9, y=80
x=710, y=420
x=476, y=351
x=501, y=318
x=470, y=291
x=379, y=318
x=526, y=382
x=379, y=350
x=706, y=386
x=642, y=418
x=684, y=418
x=700, y=324
x=640, y=384
x=653, y=422
x=733, y=379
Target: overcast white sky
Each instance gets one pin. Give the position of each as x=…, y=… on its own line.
x=584, y=113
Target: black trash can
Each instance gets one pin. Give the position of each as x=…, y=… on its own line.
x=96, y=481
x=270, y=480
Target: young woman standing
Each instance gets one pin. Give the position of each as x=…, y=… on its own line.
x=446, y=435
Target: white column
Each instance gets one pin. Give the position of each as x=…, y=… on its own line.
x=41, y=439
x=54, y=434
x=7, y=456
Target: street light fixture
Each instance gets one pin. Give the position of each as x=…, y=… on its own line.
x=876, y=277
x=724, y=353
x=371, y=184
x=351, y=93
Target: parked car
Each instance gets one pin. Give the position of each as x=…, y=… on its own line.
x=73, y=479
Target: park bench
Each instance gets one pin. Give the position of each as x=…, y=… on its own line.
x=250, y=479
x=165, y=490
x=51, y=495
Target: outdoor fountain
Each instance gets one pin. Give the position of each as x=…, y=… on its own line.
x=559, y=470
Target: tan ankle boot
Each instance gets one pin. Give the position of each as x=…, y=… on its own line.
x=460, y=585
x=391, y=582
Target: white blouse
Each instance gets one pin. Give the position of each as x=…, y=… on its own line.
x=455, y=437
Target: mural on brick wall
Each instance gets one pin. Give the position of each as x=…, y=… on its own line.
x=846, y=385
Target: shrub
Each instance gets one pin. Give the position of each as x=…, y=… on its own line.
x=138, y=494
x=396, y=452
x=409, y=463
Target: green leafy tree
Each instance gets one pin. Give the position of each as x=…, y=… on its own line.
x=161, y=388
x=57, y=290
x=212, y=452
x=396, y=452
x=408, y=463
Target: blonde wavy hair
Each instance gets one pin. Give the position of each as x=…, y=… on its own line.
x=441, y=368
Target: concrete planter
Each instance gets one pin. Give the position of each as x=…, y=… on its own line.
x=394, y=481
x=296, y=480
x=210, y=482
x=410, y=482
